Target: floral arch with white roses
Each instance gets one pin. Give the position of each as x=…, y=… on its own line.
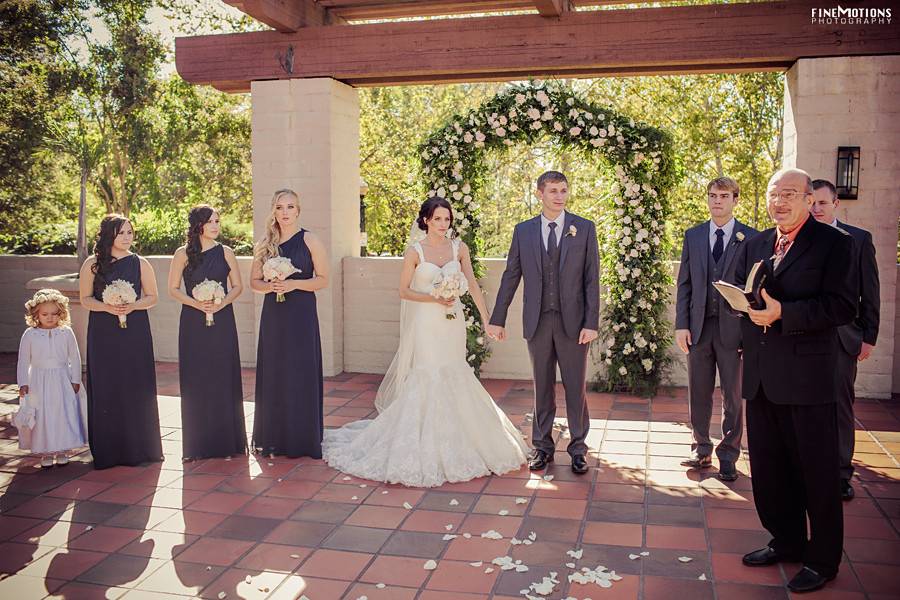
x=635, y=336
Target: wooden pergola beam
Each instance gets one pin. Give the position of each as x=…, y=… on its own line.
x=286, y=15
x=551, y=8
x=392, y=9
x=684, y=39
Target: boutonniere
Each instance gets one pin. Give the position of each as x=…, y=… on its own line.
x=739, y=236
x=573, y=231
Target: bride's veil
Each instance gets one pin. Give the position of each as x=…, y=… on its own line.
x=402, y=363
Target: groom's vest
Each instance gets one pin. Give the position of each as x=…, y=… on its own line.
x=713, y=298
x=550, y=277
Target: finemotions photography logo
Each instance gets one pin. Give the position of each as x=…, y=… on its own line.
x=851, y=16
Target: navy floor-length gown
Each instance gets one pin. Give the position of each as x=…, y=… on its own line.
x=288, y=415
x=209, y=370
x=123, y=417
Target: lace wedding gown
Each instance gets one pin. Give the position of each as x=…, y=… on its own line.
x=436, y=422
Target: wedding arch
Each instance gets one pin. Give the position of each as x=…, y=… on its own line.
x=635, y=336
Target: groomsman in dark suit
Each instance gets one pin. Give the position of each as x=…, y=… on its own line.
x=708, y=333
x=857, y=338
x=790, y=355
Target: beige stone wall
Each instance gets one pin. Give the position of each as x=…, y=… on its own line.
x=853, y=101
x=372, y=315
x=896, y=386
x=305, y=136
x=16, y=271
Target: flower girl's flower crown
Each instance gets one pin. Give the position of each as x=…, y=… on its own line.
x=42, y=297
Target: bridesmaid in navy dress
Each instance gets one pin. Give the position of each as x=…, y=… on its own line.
x=123, y=418
x=209, y=363
x=288, y=415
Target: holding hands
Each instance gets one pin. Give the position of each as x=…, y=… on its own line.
x=498, y=333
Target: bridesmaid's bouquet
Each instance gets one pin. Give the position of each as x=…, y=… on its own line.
x=209, y=290
x=447, y=286
x=118, y=293
x=280, y=268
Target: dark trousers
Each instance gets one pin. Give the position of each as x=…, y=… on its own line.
x=551, y=346
x=794, y=461
x=705, y=355
x=846, y=380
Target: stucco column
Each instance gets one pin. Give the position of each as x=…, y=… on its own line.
x=853, y=101
x=305, y=136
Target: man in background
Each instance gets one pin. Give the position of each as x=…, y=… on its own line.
x=857, y=338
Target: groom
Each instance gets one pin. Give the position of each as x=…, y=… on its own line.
x=556, y=254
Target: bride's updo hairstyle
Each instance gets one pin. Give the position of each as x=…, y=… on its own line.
x=427, y=211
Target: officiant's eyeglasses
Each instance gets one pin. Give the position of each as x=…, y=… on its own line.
x=786, y=195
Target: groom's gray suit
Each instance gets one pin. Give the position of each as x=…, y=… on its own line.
x=562, y=297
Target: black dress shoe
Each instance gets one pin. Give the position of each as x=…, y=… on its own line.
x=698, y=461
x=847, y=491
x=579, y=464
x=807, y=580
x=539, y=460
x=762, y=557
x=727, y=471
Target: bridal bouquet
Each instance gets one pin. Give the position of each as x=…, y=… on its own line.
x=280, y=268
x=209, y=291
x=117, y=293
x=448, y=286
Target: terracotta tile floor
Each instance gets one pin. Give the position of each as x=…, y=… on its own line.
x=277, y=528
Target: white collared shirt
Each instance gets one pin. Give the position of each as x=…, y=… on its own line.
x=728, y=228
x=545, y=228
x=834, y=223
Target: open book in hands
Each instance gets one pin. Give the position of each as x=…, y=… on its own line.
x=750, y=296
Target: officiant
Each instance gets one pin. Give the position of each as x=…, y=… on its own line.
x=708, y=333
x=790, y=359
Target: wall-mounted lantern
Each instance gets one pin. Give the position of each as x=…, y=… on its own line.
x=846, y=181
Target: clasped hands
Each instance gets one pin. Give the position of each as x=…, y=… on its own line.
x=120, y=309
x=208, y=306
x=496, y=332
x=279, y=286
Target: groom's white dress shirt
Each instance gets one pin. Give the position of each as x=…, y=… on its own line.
x=545, y=228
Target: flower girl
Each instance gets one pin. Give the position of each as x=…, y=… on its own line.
x=52, y=401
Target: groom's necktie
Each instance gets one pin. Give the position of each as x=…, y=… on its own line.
x=551, y=239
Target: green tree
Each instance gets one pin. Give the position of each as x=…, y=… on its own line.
x=72, y=136
x=33, y=81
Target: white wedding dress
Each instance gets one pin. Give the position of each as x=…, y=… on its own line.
x=436, y=422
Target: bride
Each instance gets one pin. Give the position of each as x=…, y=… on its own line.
x=436, y=423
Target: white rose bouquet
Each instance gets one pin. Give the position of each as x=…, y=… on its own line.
x=447, y=286
x=209, y=290
x=278, y=268
x=118, y=293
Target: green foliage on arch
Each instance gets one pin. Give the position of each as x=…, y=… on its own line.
x=635, y=335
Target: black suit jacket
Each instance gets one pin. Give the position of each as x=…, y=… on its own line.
x=864, y=327
x=579, y=276
x=693, y=281
x=816, y=283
